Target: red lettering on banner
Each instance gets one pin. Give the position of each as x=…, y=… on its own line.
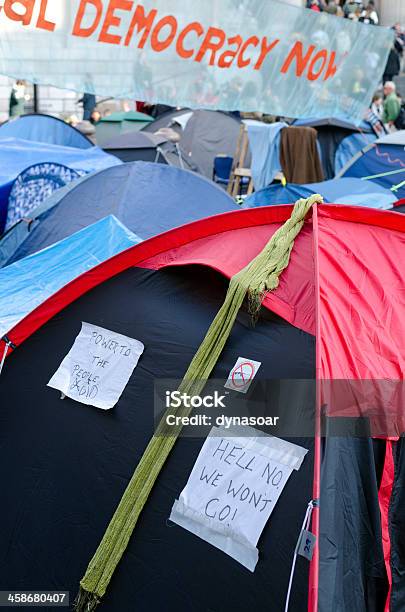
x=312, y=75
x=301, y=61
x=332, y=68
x=86, y=32
x=42, y=22
x=253, y=41
x=140, y=21
x=25, y=17
x=160, y=45
x=112, y=21
x=226, y=59
x=265, y=51
x=192, y=27
x=208, y=44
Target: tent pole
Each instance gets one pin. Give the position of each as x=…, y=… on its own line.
x=314, y=568
x=36, y=99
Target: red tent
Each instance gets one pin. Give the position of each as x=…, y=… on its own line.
x=344, y=286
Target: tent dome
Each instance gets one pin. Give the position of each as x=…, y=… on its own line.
x=45, y=129
x=64, y=488
x=147, y=198
x=204, y=135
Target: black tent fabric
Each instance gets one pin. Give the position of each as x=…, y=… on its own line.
x=397, y=528
x=64, y=466
x=71, y=463
x=350, y=520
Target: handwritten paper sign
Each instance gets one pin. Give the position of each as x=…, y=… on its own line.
x=233, y=489
x=97, y=367
x=242, y=374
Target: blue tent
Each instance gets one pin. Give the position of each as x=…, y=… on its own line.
x=338, y=141
x=17, y=155
x=337, y=191
x=385, y=157
x=29, y=282
x=147, y=198
x=46, y=129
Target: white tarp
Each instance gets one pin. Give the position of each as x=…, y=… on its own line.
x=233, y=489
x=97, y=367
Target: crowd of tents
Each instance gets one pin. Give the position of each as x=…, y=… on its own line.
x=136, y=235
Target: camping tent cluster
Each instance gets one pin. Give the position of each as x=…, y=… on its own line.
x=39, y=155
x=134, y=245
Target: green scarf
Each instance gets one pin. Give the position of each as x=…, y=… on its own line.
x=255, y=280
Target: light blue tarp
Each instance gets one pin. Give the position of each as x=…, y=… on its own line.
x=264, y=142
x=27, y=283
x=16, y=155
x=46, y=129
x=349, y=191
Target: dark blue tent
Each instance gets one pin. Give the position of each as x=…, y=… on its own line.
x=46, y=129
x=338, y=141
x=338, y=191
x=147, y=198
x=385, y=157
x=17, y=155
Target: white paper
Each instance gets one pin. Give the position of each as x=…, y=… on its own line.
x=233, y=489
x=242, y=374
x=98, y=367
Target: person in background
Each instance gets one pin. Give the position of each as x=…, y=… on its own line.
x=18, y=98
x=393, y=66
x=331, y=7
x=356, y=15
x=315, y=6
x=372, y=12
x=89, y=104
x=392, y=105
x=374, y=115
x=377, y=107
x=95, y=117
x=369, y=16
x=349, y=8
x=399, y=39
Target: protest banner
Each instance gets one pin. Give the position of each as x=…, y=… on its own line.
x=228, y=54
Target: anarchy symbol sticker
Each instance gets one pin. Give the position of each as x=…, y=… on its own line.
x=242, y=374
